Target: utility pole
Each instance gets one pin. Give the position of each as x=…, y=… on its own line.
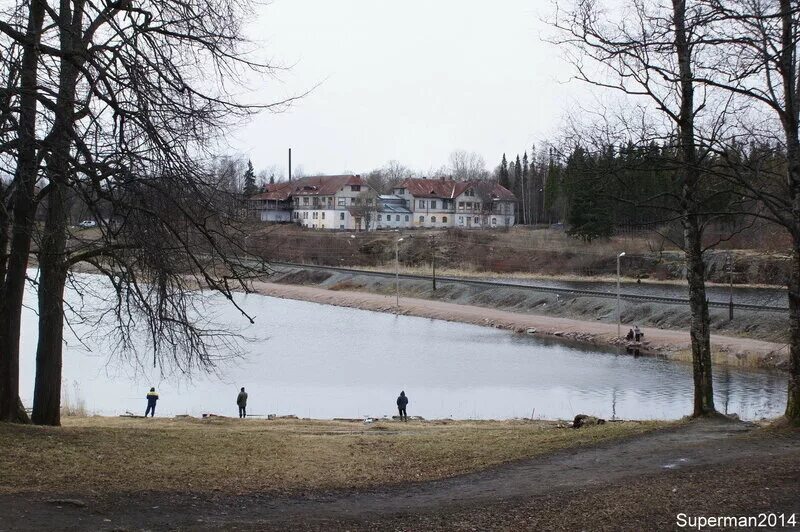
x=730, y=290
x=290, y=164
x=433, y=249
x=619, y=313
x=397, y=273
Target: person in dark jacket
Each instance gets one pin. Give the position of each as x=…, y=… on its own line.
x=241, y=401
x=152, y=397
x=402, y=401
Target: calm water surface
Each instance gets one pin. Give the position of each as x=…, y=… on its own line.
x=322, y=361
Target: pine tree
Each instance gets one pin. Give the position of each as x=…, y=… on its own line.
x=504, y=181
x=250, y=187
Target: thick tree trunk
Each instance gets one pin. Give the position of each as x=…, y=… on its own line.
x=52, y=278
x=23, y=211
x=52, y=253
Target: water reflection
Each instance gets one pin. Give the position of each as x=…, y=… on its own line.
x=321, y=361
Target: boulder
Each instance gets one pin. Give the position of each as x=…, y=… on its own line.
x=583, y=420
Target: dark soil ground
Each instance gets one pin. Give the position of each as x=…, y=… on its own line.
x=707, y=468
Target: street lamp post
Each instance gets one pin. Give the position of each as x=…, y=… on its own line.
x=397, y=272
x=619, y=313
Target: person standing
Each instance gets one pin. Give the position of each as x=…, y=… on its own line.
x=152, y=398
x=241, y=401
x=402, y=402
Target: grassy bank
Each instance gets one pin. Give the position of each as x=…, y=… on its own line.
x=96, y=454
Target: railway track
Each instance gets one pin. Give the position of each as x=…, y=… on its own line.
x=534, y=288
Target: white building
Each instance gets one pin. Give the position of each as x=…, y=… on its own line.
x=438, y=203
x=332, y=202
x=346, y=202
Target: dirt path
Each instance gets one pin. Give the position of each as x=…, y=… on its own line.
x=689, y=448
x=672, y=343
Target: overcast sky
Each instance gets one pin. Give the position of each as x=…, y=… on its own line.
x=411, y=81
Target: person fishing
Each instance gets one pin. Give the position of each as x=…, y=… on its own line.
x=402, y=402
x=152, y=398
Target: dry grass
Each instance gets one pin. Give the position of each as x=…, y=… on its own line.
x=111, y=454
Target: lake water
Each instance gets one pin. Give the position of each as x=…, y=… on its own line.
x=321, y=361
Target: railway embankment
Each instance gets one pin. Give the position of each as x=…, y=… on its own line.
x=754, y=338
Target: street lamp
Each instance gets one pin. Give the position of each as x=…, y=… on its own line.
x=619, y=314
x=397, y=272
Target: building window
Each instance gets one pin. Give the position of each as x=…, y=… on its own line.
x=508, y=221
x=379, y=218
x=469, y=205
x=323, y=215
x=341, y=216
x=406, y=217
x=355, y=188
x=460, y=220
x=397, y=218
x=433, y=219
x=341, y=227
x=341, y=202
x=476, y=219
x=305, y=200
x=421, y=204
x=444, y=219
x=305, y=215
x=460, y=204
x=421, y=219
x=433, y=204
x=469, y=192
x=314, y=215
x=494, y=221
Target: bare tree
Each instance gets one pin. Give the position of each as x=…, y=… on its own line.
x=24, y=28
x=138, y=99
x=646, y=51
x=756, y=61
x=467, y=166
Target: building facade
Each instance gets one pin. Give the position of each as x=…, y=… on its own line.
x=346, y=202
x=446, y=203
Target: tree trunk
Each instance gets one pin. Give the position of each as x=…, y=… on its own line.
x=793, y=400
x=692, y=233
x=24, y=208
x=699, y=329
x=49, y=350
x=52, y=257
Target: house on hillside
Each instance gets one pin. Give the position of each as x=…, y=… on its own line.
x=439, y=203
x=393, y=213
x=274, y=204
x=483, y=204
x=333, y=202
x=346, y=202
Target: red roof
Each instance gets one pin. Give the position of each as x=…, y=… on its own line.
x=276, y=191
x=324, y=185
x=450, y=189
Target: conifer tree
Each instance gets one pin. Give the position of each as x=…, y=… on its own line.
x=250, y=187
x=504, y=180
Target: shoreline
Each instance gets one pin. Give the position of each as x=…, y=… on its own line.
x=671, y=344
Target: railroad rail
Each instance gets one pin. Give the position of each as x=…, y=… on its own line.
x=534, y=288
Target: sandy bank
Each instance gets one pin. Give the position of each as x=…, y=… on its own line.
x=673, y=344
